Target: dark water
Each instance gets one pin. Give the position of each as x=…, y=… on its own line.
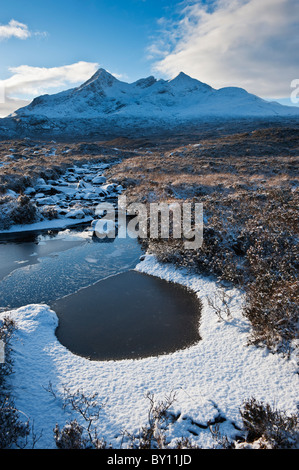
x=130, y=315
x=106, y=311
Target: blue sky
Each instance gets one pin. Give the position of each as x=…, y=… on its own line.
x=50, y=45
x=114, y=34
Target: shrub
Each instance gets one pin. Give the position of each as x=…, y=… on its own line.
x=266, y=427
x=154, y=434
x=49, y=212
x=24, y=212
x=70, y=437
x=79, y=436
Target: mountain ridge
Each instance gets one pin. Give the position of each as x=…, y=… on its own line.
x=182, y=97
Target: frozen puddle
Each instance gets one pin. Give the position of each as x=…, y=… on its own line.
x=106, y=311
x=49, y=269
x=127, y=316
x=28, y=251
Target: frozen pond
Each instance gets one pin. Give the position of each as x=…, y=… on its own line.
x=52, y=266
x=106, y=310
x=130, y=315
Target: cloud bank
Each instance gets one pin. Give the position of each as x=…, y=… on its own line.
x=249, y=43
x=27, y=82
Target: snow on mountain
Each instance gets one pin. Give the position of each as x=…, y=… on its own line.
x=104, y=96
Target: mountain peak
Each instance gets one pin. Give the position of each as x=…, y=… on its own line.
x=185, y=82
x=102, y=73
x=101, y=78
x=182, y=77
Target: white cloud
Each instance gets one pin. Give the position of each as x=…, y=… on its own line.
x=32, y=81
x=28, y=82
x=14, y=29
x=249, y=43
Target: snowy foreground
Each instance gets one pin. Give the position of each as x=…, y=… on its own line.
x=211, y=378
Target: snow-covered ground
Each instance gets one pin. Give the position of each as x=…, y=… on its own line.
x=210, y=378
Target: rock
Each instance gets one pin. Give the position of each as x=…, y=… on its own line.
x=71, y=179
x=45, y=188
x=90, y=196
x=46, y=201
x=100, y=191
x=11, y=193
x=29, y=191
x=40, y=181
x=76, y=214
x=88, y=178
x=99, y=179
x=109, y=187
x=82, y=184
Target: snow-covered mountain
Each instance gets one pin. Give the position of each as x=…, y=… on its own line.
x=104, y=96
